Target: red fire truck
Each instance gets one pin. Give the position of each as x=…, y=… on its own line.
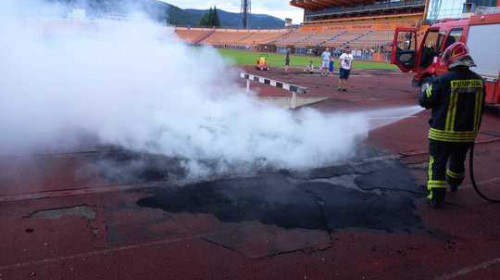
x=481, y=33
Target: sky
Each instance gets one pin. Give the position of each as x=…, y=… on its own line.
x=448, y=9
x=278, y=8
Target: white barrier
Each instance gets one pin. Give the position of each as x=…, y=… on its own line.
x=286, y=86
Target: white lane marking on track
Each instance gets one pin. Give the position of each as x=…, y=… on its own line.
x=466, y=270
x=106, y=251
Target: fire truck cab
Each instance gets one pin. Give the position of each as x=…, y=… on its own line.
x=423, y=57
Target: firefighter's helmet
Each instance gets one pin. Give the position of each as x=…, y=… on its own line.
x=457, y=54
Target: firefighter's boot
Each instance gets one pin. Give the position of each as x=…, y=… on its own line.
x=454, y=179
x=436, y=197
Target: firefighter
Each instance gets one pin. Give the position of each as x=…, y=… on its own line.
x=457, y=100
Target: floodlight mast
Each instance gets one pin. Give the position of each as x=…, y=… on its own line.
x=246, y=8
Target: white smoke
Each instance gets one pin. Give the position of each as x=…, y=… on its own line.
x=134, y=84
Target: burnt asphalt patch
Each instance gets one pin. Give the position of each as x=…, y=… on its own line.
x=122, y=166
x=376, y=195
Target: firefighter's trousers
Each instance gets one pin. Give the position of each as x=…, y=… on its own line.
x=446, y=164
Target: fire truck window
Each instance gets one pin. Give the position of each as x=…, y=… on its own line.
x=455, y=36
x=406, y=41
x=431, y=48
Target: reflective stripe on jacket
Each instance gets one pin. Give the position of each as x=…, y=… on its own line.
x=457, y=101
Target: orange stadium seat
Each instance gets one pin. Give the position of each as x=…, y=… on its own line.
x=293, y=37
x=222, y=37
x=345, y=38
x=263, y=37
x=193, y=35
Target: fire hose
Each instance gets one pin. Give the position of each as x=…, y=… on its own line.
x=473, y=179
x=471, y=168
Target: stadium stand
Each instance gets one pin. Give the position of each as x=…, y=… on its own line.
x=374, y=38
x=193, y=35
x=366, y=25
x=346, y=38
x=332, y=9
x=224, y=37
x=293, y=38
x=264, y=37
x=320, y=38
x=230, y=38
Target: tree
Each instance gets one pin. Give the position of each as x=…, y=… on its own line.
x=216, y=21
x=205, y=19
x=211, y=18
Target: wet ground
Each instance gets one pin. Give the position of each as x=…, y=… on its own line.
x=347, y=196
x=106, y=213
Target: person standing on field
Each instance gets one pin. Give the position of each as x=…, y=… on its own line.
x=345, y=62
x=325, y=62
x=287, y=59
x=331, y=67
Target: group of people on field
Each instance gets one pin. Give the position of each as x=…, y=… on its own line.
x=328, y=65
x=345, y=65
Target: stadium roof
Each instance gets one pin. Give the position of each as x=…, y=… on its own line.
x=321, y=4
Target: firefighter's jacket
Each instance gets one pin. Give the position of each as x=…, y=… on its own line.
x=457, y=102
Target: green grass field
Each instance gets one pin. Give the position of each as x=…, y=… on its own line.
x=277, y=60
